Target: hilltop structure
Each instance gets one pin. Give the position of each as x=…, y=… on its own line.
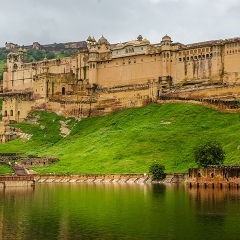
x=102, y=78
x=46, y=47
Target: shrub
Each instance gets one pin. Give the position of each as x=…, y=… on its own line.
x=210, y=153
x=157, y=170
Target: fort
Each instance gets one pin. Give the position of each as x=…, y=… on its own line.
x=102, y=77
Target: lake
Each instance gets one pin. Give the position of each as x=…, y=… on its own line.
x=118, y=211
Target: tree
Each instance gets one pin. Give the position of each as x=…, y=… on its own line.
x=59, y=46
x=210, y=153
x=157, y=170
x=50, y=55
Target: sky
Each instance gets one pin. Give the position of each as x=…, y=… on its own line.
x=186, y=21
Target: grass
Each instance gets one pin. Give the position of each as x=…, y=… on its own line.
x=2, y=64
x=5, y=169
x=129, y=141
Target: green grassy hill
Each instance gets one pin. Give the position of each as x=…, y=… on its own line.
x=130, y=140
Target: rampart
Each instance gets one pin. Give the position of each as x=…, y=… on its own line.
x=214, y=177
x=29, y=161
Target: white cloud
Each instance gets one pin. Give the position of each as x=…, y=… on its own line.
x=186, y=21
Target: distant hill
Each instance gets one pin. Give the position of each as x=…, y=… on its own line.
x=129, y=141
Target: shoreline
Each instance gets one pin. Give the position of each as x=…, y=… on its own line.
x=31, y=180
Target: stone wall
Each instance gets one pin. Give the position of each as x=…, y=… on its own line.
x=30, y=161
x=214, y=177
x=34, y=161
x=113, y=178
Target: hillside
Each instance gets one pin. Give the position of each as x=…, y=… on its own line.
x=130, y=140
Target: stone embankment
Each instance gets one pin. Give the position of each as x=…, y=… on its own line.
x=17, y=181
x=30, y=180
x=110, y=178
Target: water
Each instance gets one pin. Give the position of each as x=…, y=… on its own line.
x=118, y=211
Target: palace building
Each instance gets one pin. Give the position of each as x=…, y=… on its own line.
x=103, y=77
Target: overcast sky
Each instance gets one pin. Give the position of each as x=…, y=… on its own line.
x=186, y=21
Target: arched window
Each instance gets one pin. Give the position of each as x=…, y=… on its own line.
x=15, y=66
x=63, y=91
x=11, y=113
x=5, y=113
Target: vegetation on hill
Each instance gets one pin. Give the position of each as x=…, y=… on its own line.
x=129, y=141
x=38, y=55
x=5, y=169
x=2, y=63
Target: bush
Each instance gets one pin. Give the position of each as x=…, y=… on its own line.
x=210, y=153
x=157, y=170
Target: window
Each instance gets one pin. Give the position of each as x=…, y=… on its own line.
x=63, y=91
x=5, y=113
x=180, y=59
x=11, y=113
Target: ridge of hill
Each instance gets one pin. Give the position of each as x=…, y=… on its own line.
x=130, y=140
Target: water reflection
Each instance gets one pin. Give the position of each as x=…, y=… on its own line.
x=118, y=211
x=216, y=211
x=158, y=190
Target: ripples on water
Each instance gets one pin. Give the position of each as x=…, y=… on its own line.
x=118, y=211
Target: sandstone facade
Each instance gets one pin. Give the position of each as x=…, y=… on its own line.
x=105, y=77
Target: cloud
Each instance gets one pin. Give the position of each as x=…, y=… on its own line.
x=49, y=21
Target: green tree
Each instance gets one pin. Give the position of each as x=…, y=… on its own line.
x=157, y=170
x=38, y=55
x=59, y=46
x=210, y=153
x=50, y=55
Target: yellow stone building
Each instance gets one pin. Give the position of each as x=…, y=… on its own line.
x=106, y=77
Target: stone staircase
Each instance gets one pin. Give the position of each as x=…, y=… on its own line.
x=19, y=169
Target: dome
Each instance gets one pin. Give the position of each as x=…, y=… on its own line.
x=133, y=43
x=45, y=59
x=103, y=40
x=20, y=49
x=25, y=50
x=166, y=38
x=89, y=39
x=145, y=41
x=120, y=45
